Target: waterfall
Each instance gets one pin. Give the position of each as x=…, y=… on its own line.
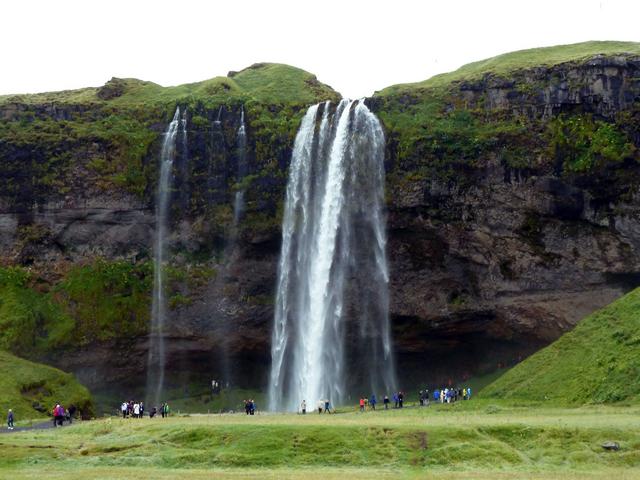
x=331, y=327
x=157, y=356
x=238, y=204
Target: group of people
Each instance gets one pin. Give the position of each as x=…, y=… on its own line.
x=323, y=406
x=250, y=407
x=136, y=410
x=60, y=414
x=443, y=395
x=451, y=395
x=371, y=402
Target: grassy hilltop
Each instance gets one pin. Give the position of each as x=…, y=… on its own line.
x=32, y=389
x=503, y=65
x=597, y=362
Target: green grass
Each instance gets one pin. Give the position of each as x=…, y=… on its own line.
x=457, y=441
x=504, y=64
x=262, y=82
x=598, y=361
x=25, y=384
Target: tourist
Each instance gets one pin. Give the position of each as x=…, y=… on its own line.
x=320, y=405
x=136, y=410
x=361, y=404
x=400, y=399
x=395, y=400
x=252, y=407
x=386, y=402
x=468, y=393
x=246, y=406
x=58, y=415
x=123, y=409
x=372, y=401
x=141, y=409
x=166, y=409
x=72, y=412
x=436, y=395
x=421, y=398
x=327, y=406
x=303, y=407
x=10, y=420
x=152, y=412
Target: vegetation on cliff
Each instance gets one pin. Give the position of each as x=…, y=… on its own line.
x=531, y=110
x=107, y=137
x=31, y=390
x=597, y=362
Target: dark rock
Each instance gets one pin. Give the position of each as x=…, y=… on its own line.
x=112, y=89
x=612, y=446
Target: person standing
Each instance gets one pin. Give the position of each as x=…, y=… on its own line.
x=10, y=420
x=303, y=407
x=361, y=404
x=320, y=405
x=372, y=401
x=386, y=402
x=401, y=399
x=327, y=406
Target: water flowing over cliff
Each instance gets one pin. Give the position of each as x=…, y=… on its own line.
x=157, y=355
x=238, y=204
x=333, y=276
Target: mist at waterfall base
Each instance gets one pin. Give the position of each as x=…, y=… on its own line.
x=156, y=361
x=331, y=335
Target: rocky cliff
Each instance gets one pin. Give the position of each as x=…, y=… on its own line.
x=512, y=191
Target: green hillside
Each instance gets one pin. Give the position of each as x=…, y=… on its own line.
x=520, y=60
x=32, y=389
x=261, y=82
x=597, y=362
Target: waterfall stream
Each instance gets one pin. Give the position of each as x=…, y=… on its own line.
x=156, y=361
x=331, y=328
x=238, y=204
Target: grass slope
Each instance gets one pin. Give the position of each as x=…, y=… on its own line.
x=598, y=361
x=443, y=440
x=520, y=60
x=261, y=82
x=24, y=384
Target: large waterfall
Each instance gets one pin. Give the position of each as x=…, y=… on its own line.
x=331, y=328
x=157, y=356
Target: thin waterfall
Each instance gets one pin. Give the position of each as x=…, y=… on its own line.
x=184, y=164
x=157, y=356
x=331, y=325
x=238, y=204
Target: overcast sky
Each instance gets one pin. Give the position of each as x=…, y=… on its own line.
x=357, y=47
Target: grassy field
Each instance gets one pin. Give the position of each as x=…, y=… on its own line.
x=476, y=439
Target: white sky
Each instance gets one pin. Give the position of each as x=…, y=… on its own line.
x=354, y=46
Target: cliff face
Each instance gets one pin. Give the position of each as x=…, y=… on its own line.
x=512, y=212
